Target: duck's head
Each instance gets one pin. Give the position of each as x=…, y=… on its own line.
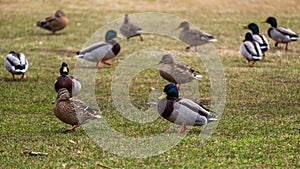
x=166, y=59
x=248, y=37
x=170, y=91
x=272, y=21
x=111, y=34
x=126, y=18
x=64, y=69
x=59, y=13
x=184, y=25
x=63, y=94
x=253, y=27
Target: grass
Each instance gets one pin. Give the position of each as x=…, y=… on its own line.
x=259, y=127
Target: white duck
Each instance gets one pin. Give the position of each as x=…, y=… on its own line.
x=16, y=64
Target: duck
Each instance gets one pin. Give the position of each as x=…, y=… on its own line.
x=16, y=64
x=73, y=111
x=176, y=72
x=182, y=111
x=250, y=49
x=130, y=30
x=260, y=39
x=280, y=34
x=102, y=51
x=54, y=23
x=71, y=83
x=193, y=37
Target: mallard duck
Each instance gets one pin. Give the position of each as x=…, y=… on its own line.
x=16, y=64
x=280, y=34
x=101, y=51
x=182, y=111
x=193, y=37
x=250, y=49
x=129, y=30
x=54, y=23
x=176, y=72
x=71, y=83
x=260, y=39
x=72, y=111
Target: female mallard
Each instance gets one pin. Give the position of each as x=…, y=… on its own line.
x=101, y=51
x=193, y=37
x=175, y=72
x=250, y=49
x=71, y=83
x=73, y=111
x=130, y=30
x=260, y=39
x=16, y=64
x=280, y=34
x=182, y=111
x=54, y=23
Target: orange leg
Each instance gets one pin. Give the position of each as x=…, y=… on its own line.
x=72, y=128
x=106, y=62
x=181, y=129
x=286, y=46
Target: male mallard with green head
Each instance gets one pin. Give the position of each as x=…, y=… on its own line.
x=72, y=111
x=182, y=111
x=260, y=39
x=280, y=34
x=71, y=83
x=54, y=23
x=102, y=51
x=250, y=49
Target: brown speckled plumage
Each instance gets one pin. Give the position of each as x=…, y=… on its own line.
x=54, y=23
x=72, y=111
x=175, y=72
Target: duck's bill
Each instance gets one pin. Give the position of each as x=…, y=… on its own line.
x=164, y=95
x=245, y=26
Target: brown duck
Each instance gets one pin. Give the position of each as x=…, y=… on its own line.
x=175, y=72
x=54, y=23
x=73, y=111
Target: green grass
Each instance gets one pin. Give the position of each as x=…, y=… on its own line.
x=259, y=127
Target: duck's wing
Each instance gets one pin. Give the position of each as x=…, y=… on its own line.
x=184, y=115
x=84, y=113
x=194, y=106
x=92, y=47
x=286, y=31
x=262, y=41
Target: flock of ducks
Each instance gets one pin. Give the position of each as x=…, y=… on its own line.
x=255, y=45
x=175, y=109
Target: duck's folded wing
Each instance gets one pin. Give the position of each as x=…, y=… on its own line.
x=286, y=31
x=13, y=60
x=249, y=46
x=186, y=116
x=92, y=47
x=193, y=106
